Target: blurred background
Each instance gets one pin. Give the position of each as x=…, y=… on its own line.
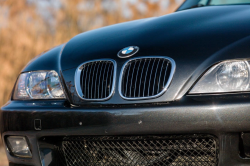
x=29, y=27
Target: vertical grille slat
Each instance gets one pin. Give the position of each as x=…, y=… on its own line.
x=149, y=82
x=89, y=83
x=155, y=77
x=92, y=80
x=82, y=76
x=146, y=77
x=141, y=77
x=103, y=79
x=127, y=79
x=137, y=77
x=110, y=80
x=95, y=79
x=106, y=81
x=99, y=82
x=86, y=92
x=165, y=74
x=158, y=87
x=131, y=84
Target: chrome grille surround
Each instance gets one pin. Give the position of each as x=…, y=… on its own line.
x=170, y=77
x=79, y=77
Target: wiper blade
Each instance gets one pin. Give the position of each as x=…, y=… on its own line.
x=196, y=6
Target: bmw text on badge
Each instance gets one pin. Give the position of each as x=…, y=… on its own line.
x=128, y=52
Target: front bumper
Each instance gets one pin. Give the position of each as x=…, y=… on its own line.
x=223, y=118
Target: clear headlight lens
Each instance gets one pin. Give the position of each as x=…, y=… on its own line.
x=38, y=85
x=228, y=76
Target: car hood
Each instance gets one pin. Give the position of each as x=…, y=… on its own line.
x=189, y=37
x=194, y=33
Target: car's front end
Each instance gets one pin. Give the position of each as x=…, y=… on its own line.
x=172, y=90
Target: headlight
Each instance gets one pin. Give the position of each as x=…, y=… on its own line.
x=38, y=85
x=227, y=76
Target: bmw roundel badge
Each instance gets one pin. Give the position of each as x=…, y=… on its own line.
x=128, y=51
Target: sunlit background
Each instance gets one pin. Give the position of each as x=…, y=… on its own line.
x=29, y=27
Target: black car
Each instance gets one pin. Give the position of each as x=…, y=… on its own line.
x=172, y=90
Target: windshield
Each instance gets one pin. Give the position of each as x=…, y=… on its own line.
x=188, y=4
x=222, y=2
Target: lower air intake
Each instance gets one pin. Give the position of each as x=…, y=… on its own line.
x=194, y=150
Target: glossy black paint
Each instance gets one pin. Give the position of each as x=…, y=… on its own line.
x=223, y=116
x=50, y=60
x=196, y=39
x=185, y=116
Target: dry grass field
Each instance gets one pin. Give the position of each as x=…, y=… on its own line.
x=29, y=27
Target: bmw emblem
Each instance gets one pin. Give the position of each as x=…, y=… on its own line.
x=128, y=51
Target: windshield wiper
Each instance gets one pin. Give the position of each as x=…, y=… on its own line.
x=196, y=6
